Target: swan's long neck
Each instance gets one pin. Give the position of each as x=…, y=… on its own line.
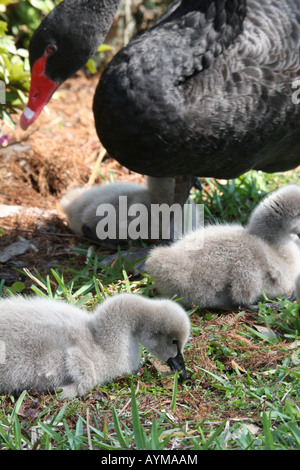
x=102, y=12
x=123, y=312
x=94, y=16
x=271, y=222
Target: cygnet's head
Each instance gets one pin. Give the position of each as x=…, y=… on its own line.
x=278, y=214
x=166, y=337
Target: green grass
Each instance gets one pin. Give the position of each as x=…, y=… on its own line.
x=233, y=200
x=244, y=392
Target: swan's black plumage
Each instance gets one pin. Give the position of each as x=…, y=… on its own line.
x=207, y=91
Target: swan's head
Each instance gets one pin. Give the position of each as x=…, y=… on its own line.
x=65, y=40
x=167, y=336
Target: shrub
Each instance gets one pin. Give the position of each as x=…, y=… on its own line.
x=18, y=20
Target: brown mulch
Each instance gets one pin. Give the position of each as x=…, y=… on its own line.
x=57, y=152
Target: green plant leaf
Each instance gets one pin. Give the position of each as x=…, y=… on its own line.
x=267, y=432
x=137, y=428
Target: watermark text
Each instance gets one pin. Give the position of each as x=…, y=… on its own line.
x=296, y=94
x=138, y=221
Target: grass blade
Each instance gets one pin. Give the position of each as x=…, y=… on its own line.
x=137, y=427
x=118, y=429
x=214, y=436
x=267, y=432
x=174, y=393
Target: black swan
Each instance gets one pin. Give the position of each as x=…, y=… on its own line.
x=207, y=91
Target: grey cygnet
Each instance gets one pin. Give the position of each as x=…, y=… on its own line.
x=49, y=345
x=115, y=205
x=229, y=265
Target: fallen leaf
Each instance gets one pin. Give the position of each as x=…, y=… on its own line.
x=267, y=332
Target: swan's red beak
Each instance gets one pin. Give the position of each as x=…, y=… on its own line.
x=41, y=90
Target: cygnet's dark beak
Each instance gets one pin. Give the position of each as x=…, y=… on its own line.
x=177, y=365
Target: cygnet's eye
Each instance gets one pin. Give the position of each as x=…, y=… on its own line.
x=51, y=49
x=174, y=341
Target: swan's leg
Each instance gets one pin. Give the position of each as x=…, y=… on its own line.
x=272, y=305
x=183, y=185
x=133, y=259
x=162, y=189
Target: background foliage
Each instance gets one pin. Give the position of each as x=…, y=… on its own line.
x=18, y=20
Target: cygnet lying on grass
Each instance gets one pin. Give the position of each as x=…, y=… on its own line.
x=49, y=345
x=235, y=264
x=80, y=206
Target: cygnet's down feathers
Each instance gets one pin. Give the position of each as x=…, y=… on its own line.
x=51, y=345
x=235, y=265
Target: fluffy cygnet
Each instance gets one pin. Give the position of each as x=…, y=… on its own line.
x=49, y=345
x=104, y=212
x=229, y=265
